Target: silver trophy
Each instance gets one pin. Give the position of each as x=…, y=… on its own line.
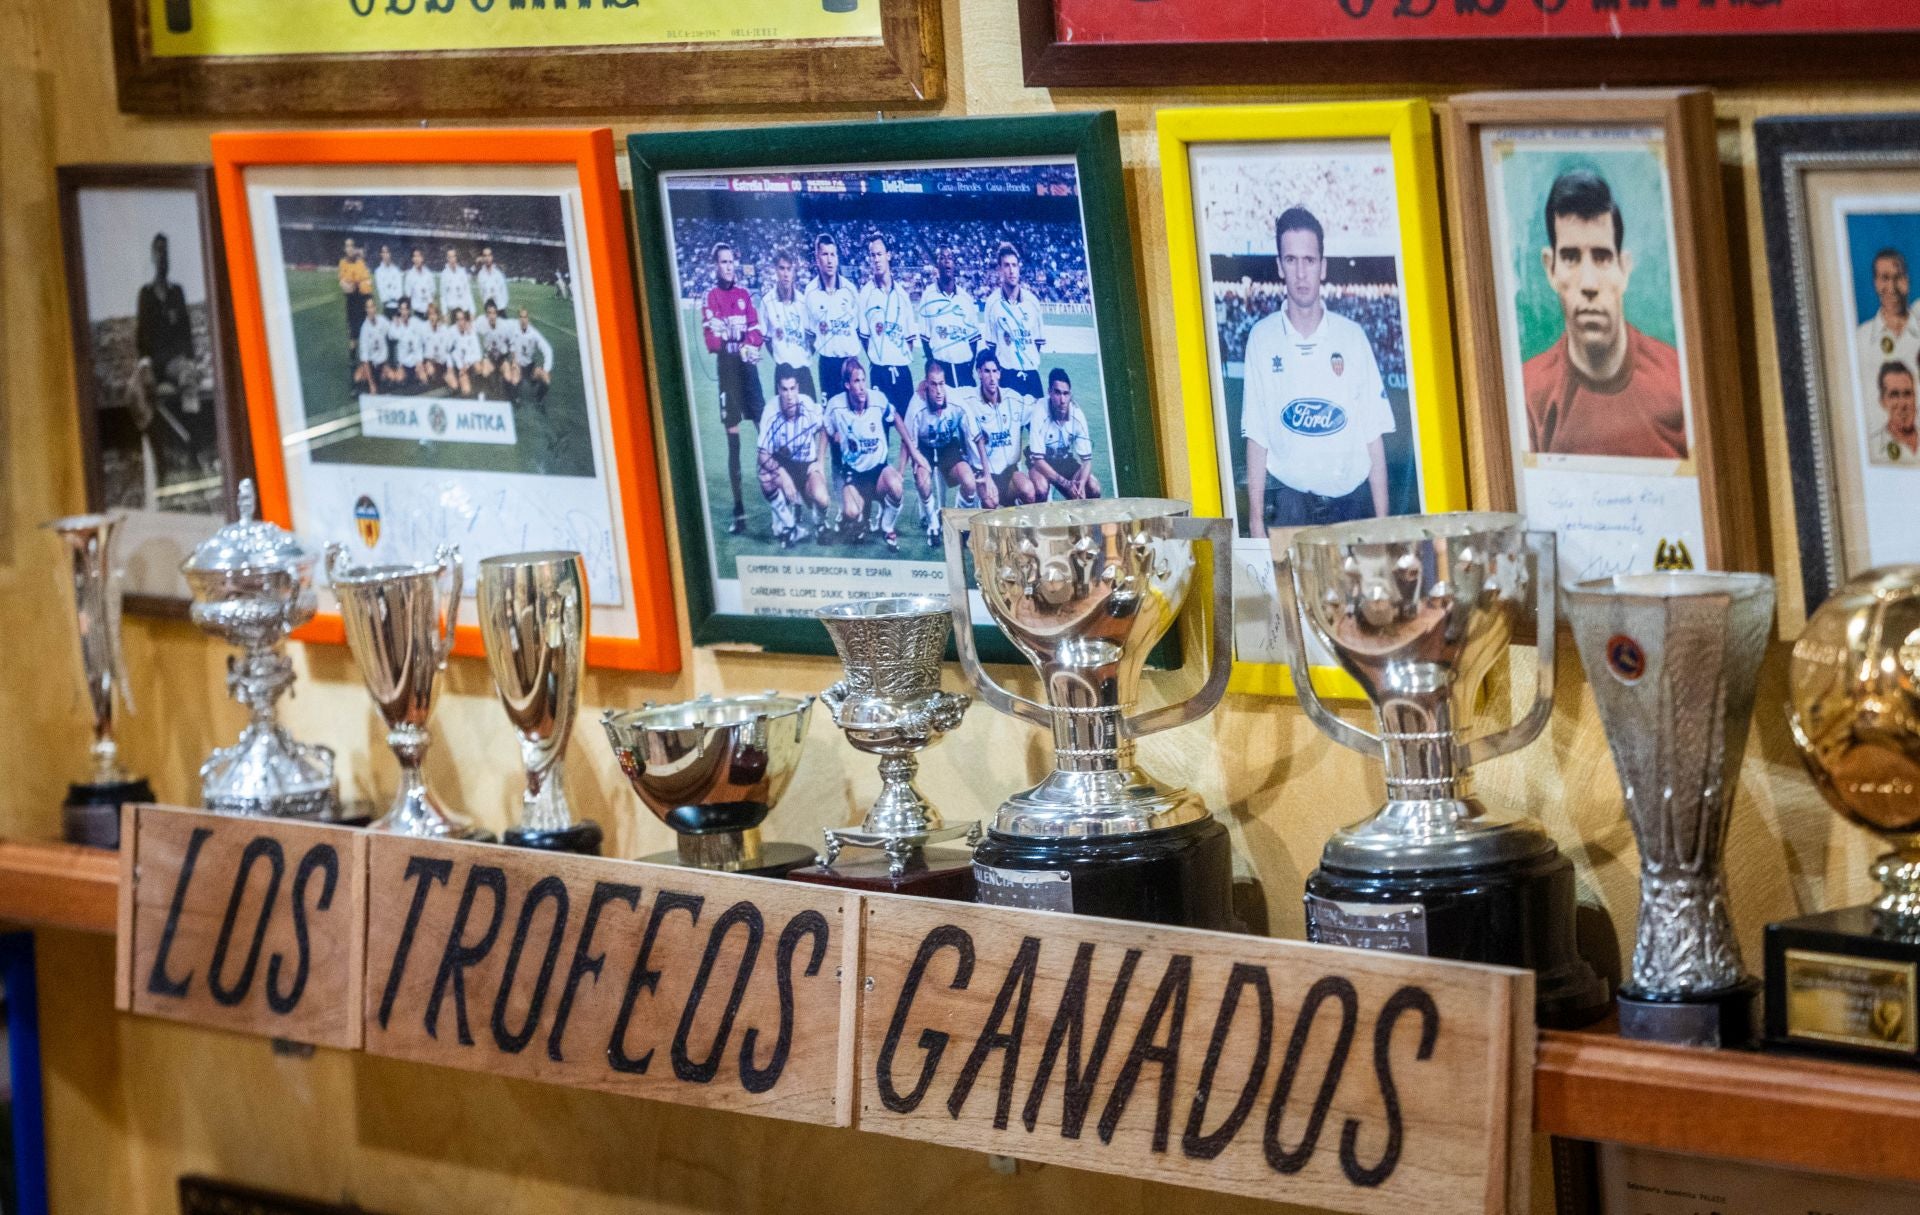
x=534, y=612
x=252, y=584
x=400, y=621
x=1673, y=659
x=1418, y=610
x=92, y=811
x=712, y=769
x=890, y=705
x=1085, y=590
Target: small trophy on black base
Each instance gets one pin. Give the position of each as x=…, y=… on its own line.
x=1844, y=982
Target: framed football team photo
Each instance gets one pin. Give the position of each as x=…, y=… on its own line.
x=438, y=339
x=1841, y=203
x=860, y=326
x=1592, y=268
x=1316, y=358
x=163, y=442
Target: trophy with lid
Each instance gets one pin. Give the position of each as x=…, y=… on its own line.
x=91, y=814
x=1843, y=981
x=1418, y=609
x=1085, y=590
x=252, y=584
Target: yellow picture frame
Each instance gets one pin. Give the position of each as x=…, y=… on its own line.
x=1408, y=129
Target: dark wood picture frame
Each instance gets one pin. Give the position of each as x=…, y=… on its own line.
x=1091, y=139
x=236, y=452
x=906, y=66
x=1701, y=266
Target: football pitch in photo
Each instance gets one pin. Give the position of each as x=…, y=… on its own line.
x=551, y=438
x=1072, y=333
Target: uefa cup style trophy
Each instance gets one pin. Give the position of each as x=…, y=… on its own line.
x=1418, y=609
x=533, y=617
x=252, y=584
x=712, y=769
x=1843, y=981
x=91, y=814
x=400, y=621
x=1673, y=660
x=890, y=705
x=1084, y=590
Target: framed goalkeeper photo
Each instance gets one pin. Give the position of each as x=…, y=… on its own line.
x=858, y=327
x=436, y=334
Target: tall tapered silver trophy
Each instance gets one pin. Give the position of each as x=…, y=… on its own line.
x=1418, y=610
x=400, y=621
x=91, y=814
x=252, y=584
x=534, y=610
x=890, y=705
x=1085, y=590
x=1673, y=660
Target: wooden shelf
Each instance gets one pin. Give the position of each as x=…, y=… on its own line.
x=1777, y=1109
x=58, y=885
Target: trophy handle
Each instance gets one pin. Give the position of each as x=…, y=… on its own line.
x=1286, y=585
x=958, y=524
x=1218, y=535
x=451, y=577
x=1546, y=628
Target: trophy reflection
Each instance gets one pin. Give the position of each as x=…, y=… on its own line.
x=1085, y=590
x=91, y=814
x=533, y=617
x=399, y=621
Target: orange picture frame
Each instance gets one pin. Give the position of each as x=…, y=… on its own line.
x=656, y=645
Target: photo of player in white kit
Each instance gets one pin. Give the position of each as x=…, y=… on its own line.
x=491, y=281
x=1016, y=328
x=783, y=321
x=833, y=314
x=389, y=283
x=410, y=336
x=1000, y=416
x=456, y=285
x=950, y=323
x=371, y=373
x=859, y=423
x=530, y=371
x=1060, y=443
x=421, y=286
x=942, y=445
x=792, y=474
x=889, y=325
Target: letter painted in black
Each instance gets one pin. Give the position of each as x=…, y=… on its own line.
x=1170, y=1005
x=547, y=889
x=1399, y=1002
x=1076, y=1098
x=423, y=872
x=1329, y=987
x=323, y=858
x=933, y=1042
x=704, y=1070
x=458, y=956
x=259, y=846
x=808, y=923
x=585, y=962
x=159, y=982
x=1193, y=1144
x=1019, y=979
x=645, y=978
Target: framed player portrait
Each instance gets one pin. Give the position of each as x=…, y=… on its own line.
x=1316, y=359
x=437, y=336
x=860, y=326
x=1593, y=269
x=163, y=442
x=1840, y=199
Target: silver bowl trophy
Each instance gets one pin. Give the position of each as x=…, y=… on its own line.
x=534, y=610
x=1673, y=660
x=1418, y=610
x=1843, y=981
x=890, y=705
x=712, y=768
x=1085, y=590
x=91, y=814
x=399, y=621
x=252, y=584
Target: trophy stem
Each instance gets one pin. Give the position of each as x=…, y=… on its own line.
x=545, y=806
x=1091, y=738
x=726, y=851
x=1685, y=945
x=106, y=758
x=1897, y=910
x=900, y=809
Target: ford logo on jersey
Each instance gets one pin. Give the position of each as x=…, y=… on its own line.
x=1312, y=416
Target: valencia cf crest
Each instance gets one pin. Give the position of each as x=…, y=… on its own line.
x=367, y=517
x=1672, y=555
x=437, y=418
x=1339, y=364
x=1625, y=658
x=1278, y=366
x=1886, y=345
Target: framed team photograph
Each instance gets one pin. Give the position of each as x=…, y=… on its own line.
x=438, y=339
x=163, y=441
x=1592, y=268
x=860, y=326
x=1316, y=360
x=1840, y=198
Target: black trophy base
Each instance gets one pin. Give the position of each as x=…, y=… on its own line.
x=1718, y=1019
x=582, y=838
x=776, y=860
x=1513, y=913
x=1179, y=875
x=91, y=814
x=933, y=873
x=1837, y=986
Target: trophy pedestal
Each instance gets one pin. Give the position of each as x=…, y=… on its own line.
x=775, y=861
x=1177, y=875
x=1838, y=986
x=583, y=838
x=1713, y=1019
x=1516, y=912
x=91, y=813
x=932, y=873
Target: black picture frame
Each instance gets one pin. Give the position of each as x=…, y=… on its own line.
x=1091, y=139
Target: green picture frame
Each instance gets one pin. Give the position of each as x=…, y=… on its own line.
x=920, y=149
